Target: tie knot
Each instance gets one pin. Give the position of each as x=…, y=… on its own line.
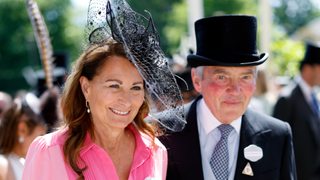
x=225, y=130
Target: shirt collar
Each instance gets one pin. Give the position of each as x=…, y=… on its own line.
x=142, y=152
x=210, y=122
x=306, y=89
x=143, y=142
x=87, y=144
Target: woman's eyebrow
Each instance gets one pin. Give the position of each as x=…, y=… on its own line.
x=118, y=81
x=139, y=82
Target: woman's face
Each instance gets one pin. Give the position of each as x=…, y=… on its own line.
x=24, y=131
x=115, y=94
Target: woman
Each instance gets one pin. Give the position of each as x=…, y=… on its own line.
x=105, y=136
x=104, y=102
x=21, y=124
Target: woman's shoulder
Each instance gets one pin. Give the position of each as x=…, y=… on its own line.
x=56, y=138
x=4, y=165
x=44, y=155
x=6, y=171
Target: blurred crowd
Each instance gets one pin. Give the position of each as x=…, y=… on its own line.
x=27, y=114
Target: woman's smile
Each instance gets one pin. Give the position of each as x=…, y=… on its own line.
x=123, y=113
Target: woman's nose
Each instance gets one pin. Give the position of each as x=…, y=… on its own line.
x=125, y=98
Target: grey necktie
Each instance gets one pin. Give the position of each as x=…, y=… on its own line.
x=220, y=158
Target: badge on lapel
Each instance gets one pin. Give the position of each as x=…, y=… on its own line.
x=247, y=170
x=252, y=153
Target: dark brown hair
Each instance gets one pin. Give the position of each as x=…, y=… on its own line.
x=74, y=107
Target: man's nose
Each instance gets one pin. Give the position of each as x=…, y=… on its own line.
x=234, y=88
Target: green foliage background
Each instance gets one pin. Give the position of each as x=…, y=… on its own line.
x=286, y=55
x=18, y=48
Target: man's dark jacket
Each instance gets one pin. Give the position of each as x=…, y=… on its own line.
x=293, y=108
x=272, y=135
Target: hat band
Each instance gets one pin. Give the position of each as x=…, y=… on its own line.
x=229, y=56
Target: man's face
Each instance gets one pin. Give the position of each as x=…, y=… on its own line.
x=227, y=91
x=316, y=74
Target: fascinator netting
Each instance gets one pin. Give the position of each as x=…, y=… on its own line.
x=114, y=19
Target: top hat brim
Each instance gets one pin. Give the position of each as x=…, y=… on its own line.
x=197, y=60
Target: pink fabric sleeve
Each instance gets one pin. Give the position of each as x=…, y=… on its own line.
x=165, y=164
x=161, y=161
x=37, y=165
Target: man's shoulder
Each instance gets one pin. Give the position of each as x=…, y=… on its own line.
x=287, y=91
x=265, y=121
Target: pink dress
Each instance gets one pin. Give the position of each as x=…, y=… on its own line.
x=45, y=160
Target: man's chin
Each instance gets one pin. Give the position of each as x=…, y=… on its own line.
x=230, y=116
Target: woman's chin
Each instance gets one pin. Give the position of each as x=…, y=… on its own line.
x=121, y=124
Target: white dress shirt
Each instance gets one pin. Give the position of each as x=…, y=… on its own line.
x=307, y=90
x=209, y=136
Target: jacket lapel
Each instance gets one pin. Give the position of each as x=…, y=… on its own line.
x=185, y=147
x=251, y=133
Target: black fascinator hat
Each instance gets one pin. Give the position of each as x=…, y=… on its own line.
x=114, y=19
x=228, y=40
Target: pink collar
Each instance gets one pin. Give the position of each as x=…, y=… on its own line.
x=143, y=146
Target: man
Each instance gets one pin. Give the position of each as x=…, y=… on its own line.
x=298, y=106
x=223, y=139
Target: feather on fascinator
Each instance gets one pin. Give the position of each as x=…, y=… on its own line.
x=43, y=40
x=114, y=19
x=48, y=103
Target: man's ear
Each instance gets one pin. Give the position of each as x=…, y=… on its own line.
x=85, y=84
x=196, y=80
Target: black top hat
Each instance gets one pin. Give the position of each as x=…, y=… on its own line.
x=61, y=59
x=228, y=40
x=58, y=75
x=312, y=55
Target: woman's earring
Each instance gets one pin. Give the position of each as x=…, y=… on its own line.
x=87, y=105
x=21, y=139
